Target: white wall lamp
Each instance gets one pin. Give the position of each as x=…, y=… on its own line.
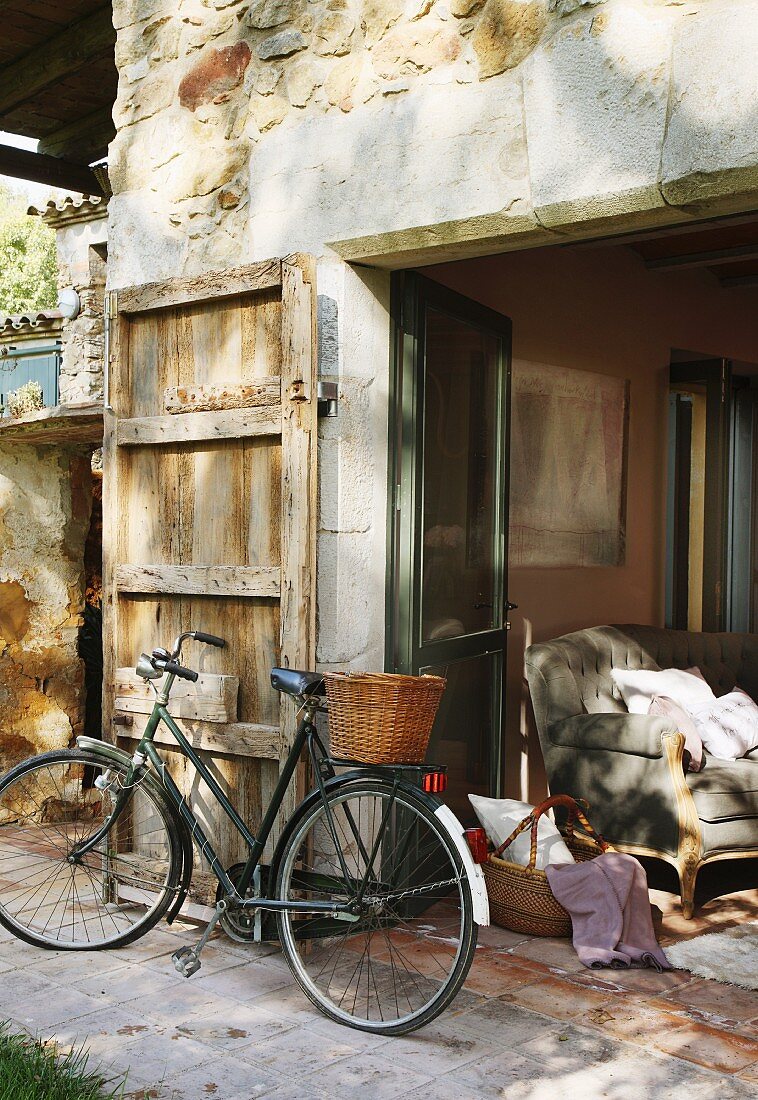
x=69, y=303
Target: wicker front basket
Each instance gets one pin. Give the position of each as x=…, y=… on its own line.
x=378, y=718
x=520, y=897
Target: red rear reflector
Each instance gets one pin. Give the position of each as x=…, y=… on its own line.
x=477, y=842
x=434, y=782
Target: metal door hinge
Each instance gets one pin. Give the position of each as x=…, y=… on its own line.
x=110, y=309
x=327, y=399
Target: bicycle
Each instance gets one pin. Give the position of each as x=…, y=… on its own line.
x=375, y=893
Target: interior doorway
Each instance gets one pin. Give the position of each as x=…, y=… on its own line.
x=447, y=599
x=712, y=494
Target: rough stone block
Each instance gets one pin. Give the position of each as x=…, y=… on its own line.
x=377, y=16
x=596, y=98
x=711, y=145
x=216, y=73
x=333, y=33
x=507, y=32
x=302, y=80
x=416, y=48
x=349, y=82
x=272, y=13
x=281, y=45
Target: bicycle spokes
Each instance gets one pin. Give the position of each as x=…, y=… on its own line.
x=401, y=956
x=52, y=894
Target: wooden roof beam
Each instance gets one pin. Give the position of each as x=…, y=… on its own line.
x=93, y=133
x=739, y=280
x=39, y=168
x=51, y=61
x=704, y=259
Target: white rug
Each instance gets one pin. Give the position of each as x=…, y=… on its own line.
x=730, y=956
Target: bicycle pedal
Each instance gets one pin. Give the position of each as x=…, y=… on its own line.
x=186, y=961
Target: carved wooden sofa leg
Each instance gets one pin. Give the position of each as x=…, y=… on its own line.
x=687, y=878
x=690, y=849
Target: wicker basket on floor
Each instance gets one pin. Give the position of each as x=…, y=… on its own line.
x=520, y=897
x=379, y=718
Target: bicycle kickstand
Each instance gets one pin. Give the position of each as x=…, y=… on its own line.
x=187, y=959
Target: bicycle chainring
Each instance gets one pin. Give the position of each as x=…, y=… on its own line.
x=239, y=924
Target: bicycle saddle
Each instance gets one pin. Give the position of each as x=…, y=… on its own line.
x=292, y=682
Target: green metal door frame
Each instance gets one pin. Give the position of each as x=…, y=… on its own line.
x=405, y=651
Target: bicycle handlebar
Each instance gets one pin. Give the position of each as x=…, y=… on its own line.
x=176, y=670
x=209, y=639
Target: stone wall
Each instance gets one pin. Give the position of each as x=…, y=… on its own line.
x=81, y=232
x=45, y=502
x=248, y=129
x=82, y=267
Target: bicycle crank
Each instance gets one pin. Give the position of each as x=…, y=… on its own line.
x=187, y=959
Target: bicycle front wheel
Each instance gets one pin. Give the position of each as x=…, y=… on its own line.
x=111, y=895
x=405, y=951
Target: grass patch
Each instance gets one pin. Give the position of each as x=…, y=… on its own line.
x=30, y=1070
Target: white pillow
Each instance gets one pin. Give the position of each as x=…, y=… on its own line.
x=639, y=687
x=500, y=816
x=728, y=726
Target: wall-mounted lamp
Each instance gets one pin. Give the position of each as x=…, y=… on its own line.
x=68, y=303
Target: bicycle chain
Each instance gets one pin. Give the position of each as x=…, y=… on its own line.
x=414, y=890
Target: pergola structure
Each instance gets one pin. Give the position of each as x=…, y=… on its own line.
x=57, y=84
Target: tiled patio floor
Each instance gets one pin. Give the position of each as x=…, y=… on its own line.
x=531, y=1024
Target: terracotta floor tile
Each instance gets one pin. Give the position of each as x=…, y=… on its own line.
x=713, y=1003
x=498, y=972
x=647, y=983
x=709, y=1047
x=558, y=999
x=556, y=954
x=631, y=1020
x=749, y=1073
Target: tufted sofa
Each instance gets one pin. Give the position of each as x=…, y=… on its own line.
x=630, y=767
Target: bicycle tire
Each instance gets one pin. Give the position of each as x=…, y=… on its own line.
x=123, y=888
x=419, y=961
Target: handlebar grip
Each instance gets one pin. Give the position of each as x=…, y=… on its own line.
x=180, y=671
x=209, y=639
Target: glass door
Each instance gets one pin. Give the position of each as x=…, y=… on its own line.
x=448, y=600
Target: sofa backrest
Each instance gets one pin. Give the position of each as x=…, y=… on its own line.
x=572, y=675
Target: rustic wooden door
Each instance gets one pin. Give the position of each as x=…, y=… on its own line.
x=210, y=511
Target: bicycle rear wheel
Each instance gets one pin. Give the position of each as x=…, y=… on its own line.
x=111, y=895
x=406, y=953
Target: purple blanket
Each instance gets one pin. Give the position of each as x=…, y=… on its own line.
x=608, y=903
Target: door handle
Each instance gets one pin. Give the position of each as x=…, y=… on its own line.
x=510, y=606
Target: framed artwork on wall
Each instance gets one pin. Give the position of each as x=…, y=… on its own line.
x=568, y=467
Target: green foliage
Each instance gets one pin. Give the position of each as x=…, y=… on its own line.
x=30, y=1070
x=28, y=271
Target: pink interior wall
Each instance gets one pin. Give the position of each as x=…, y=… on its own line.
x=600, y=309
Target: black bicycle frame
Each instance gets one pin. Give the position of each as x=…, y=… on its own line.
x=146, y=751
x=305, y=734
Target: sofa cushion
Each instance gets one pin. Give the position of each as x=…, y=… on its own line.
x=726, y=790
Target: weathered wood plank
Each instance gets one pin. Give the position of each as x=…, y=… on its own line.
x=57, y=424
x=199, y=288
x=197, y=426
x=299, y=486
x=51, y=171
x=212, y=698
x=200, y=580
x=209, y=398
x=247, y=739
